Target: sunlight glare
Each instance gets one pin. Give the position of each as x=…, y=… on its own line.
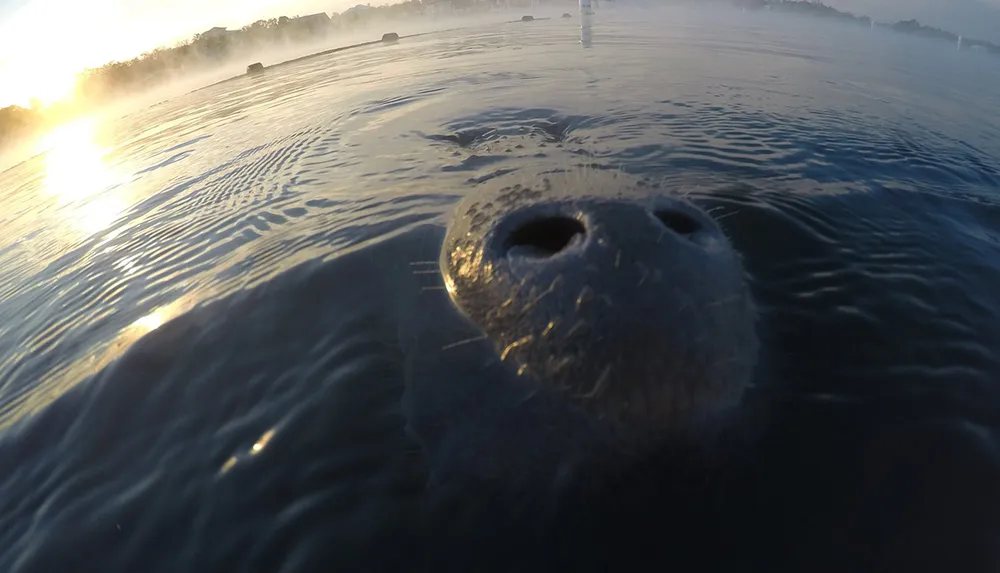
x=78, y=178
x=99, y=214
x=47, y=88
x=160, y=316
x=262, y=442
x=153, y=320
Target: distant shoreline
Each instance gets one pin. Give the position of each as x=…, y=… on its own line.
x=217, y=47
x=101, y=86
x=320, y=54
x=812, y=9
x=909, y=27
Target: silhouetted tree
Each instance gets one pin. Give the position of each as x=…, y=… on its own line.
x=207, y=49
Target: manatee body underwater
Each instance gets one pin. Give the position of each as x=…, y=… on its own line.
x=623, y=318
x=569, y=376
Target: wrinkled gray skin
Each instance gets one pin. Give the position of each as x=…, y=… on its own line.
x=619, y=310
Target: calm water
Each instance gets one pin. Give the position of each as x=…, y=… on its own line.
x=281, y=216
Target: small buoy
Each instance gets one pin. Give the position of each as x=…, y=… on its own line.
x=390, y=37
x=567, y=15
x=527, y=18
x=255, y=68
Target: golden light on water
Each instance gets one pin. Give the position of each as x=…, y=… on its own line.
x=161, y=315
x=78, y=177
x=150, y=322
x=255, y=449
x=74, y=166
x=100, y=357
x=262, y=442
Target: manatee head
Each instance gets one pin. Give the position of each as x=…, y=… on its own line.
x=625, y=300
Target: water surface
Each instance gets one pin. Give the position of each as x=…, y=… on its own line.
x=856, y=172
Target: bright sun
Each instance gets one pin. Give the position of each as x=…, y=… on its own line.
x=24, y=82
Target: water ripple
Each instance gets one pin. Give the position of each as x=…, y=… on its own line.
x=219, y=361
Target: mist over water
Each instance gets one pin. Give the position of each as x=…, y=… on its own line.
x=253, y=244
x=205, y=70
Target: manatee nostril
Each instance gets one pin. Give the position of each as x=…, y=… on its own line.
x=678, y=222
x=544, y=237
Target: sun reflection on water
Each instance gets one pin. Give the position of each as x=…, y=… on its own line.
x=149, y=322
x=100, y=357
x=79, y=179
x=161, y=315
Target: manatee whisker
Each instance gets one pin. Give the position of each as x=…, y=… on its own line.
x=514, y=345
x=464, y=342
x=645, y=274
x=425, y=271
x=532, y=394
x=586, y=294
x=541, y=295
x=663, y=233
x=579, y=325
x=549, y=327
x=559, y=365
x=599, y=385
x=724, y=300
x=721, y=217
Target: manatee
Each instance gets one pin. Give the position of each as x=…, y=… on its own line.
x=343, y=414
x=603, y=319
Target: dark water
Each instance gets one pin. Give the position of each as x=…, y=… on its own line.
x=284, y=224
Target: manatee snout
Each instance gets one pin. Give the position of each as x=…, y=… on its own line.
x=627, y=301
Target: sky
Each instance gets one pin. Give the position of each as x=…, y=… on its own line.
x=973, y=18
x=44, y=43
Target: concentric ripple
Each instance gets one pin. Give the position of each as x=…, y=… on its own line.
x=201, y=355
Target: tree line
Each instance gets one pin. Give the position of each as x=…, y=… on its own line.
x=912, y=27
x=201, y=52
x=103, y=84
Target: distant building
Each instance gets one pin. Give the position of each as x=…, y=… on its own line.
x=434, y=7
x=356, y=10
x=312, y=24
x=215, y=43
x=356, y=13
x=218, y=32
x=518, y=3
